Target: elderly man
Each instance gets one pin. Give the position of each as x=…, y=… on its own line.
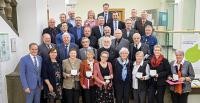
x=30, y=74
x=107, y=32
x=64, y=29
x=93, y=39
x=44, y=48
x=128, y=31
x=63, y=18
x=86, y=46
x=106, y=14
x=140, y=25
x=119, y=42
x=116, y=23
x=77, y=31
x=71, y=18
x=64, y=48
x=107, y=47
x=52, y=30
x=97, y=31
x=138, y=46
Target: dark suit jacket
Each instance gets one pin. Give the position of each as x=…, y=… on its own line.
x=73, y=31
x=121, y=25
x=144, y=47
x=96, y=32
x=141, y=28
x=61, y=50
x=123, y=43
x=59, y=27
x=30, y=75
x=109, y=16
x=52, y=32
x=129, y=38
x=43, y=51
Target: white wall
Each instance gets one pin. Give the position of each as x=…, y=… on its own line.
x=7, y=67
x=83, y=6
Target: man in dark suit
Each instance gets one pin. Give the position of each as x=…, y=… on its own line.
x=77, y=31
x=128, y=31
x=52, y=30
x=30, y=72
x=63, y=18
x=44, y=48
x=106, y=14
x=64, y=48
x=119, y=42
x=138, y=46
x=134, y=17
x=140, y=25
x=93, y=39
x=116, y=24
x=97, y=31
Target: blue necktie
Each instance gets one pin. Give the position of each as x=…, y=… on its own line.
x=105, y=18
x=35, y=61
x=66, y=52
x=124, y=72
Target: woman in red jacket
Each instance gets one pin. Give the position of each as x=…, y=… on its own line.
x=86, y=77
x=103, y=76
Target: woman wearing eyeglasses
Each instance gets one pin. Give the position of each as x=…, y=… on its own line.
x=103, y=76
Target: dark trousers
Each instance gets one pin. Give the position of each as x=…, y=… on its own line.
x=71, y=95
x=179, y=98
x=156, y=92
x=89, y=95
x=122, y=93
x=139, y=96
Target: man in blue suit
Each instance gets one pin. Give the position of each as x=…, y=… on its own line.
x=64, y=48
x=30, y=70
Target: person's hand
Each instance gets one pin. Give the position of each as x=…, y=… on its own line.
x=156, y=76
x=111, y=76
x=143, y=78
x=50, y=88
x=187, y=79
x=182, y=79
x=170, y=78
x=68, y=75
x=84, y=87
x=27, y=90
x=105, y=83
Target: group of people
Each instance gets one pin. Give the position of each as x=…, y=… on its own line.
x=104, y=61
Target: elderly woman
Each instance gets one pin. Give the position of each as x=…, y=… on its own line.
x=122, y=76
x=159, y=71
x=140, y=76
x=91, y=21
x=86, y=77
x=184, y=71
x=52, y=75
x=71, y=83
x=107, y=47
x=103, y=76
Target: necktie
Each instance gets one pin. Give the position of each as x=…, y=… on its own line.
x=66, y=52
x=124, y=72
x=35, y=61
x=105, y=18
x=136, y=46
x=48, y=46
x=115, y=25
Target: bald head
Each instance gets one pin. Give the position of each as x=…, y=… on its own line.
x=118, y=34
x=136, y=38
x=46, y=38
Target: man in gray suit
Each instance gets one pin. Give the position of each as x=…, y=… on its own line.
x=44, y=48
x=119, y=42
x=128, y=31
x=83, y=51
x=138, y=46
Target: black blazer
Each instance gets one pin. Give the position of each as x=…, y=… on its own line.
x=163, y=70
x=141, y=28
x=129, y=38
x=59, y=27
x=109, y=16
x=121, y=25
x=96, y=32
x=52, y=32
x=48, y=72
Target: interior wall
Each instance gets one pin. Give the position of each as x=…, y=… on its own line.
x=82, y=6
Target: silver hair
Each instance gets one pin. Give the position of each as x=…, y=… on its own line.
x=139, y=53
x=66, y=34
x=123, y=49
x=179, y=52
x=90, y=51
